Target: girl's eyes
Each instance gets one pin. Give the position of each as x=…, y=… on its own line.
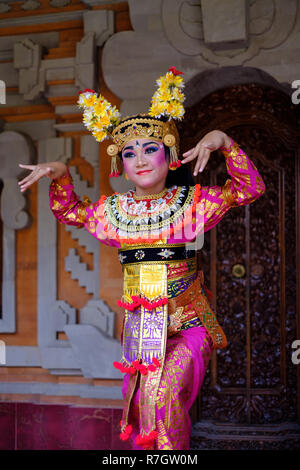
x=148, y=150
x=151, y=149
x=128, y=155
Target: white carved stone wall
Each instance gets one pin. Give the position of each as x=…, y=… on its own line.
x=193, y=36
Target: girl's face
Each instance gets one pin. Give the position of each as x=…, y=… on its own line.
x=145, y=163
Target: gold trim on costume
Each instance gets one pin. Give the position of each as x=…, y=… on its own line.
x=161, y=245
x=151, y=196
x=159, y=262
x=228, y=196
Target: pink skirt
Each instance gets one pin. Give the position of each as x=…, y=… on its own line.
x=187, y=356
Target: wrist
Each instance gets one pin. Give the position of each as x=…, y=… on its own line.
x=227, y=143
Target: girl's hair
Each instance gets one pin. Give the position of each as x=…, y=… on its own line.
x=179, y=177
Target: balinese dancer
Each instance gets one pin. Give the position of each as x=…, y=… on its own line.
x=169, y=327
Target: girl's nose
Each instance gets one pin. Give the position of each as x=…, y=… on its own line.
x=140, y=157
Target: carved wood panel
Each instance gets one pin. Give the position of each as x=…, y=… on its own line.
x=253, y=381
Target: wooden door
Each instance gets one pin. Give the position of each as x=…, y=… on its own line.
x=251, y=392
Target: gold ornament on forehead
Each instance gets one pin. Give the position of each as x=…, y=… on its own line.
x=105, y=121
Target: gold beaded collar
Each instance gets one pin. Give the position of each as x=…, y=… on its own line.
x=151, y=196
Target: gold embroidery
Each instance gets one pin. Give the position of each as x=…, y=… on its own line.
x=228, y=196
x=161, y=244
x=175, y=322
x=178, y=370
x=127, y=400
x=162, y=439
x=151, y=196
x=147, y=398
x=233, y=151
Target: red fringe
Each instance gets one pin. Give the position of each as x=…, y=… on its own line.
x=137, y=301
x=114, y=173
x=156, y=362
x=137, y=366
x=128, y=306
x=124, y=436
x=146, y=441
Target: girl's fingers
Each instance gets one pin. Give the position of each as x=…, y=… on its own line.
x=188, y=156
x=23, y=181
x=188, y=152
x=32, y=178
x=199, y=160
x=194, y=153
x=29, y=183
x=27, y=178
x=32, y=167
x=204, y=160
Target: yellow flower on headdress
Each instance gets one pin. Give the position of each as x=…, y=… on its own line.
x=99, y=116
x=168, y=98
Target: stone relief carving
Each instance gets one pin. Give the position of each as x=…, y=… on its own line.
x=96, y=318
x=85, y=62
x=193, y=35
x=101, y=23
x=14, y=149
x=184, y=25
x=34, y=72
x=27, y=58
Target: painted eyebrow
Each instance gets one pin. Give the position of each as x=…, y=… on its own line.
x=144, y=145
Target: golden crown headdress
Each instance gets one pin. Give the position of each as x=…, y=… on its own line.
x=105, y=121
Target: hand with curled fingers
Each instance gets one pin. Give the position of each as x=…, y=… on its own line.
x=51, y=170
x=211, y=141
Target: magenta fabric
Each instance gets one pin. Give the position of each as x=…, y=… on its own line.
x=184, y=369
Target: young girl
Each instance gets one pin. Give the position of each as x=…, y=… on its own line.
x=169, y=328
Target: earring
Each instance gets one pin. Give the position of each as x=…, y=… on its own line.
x=125, y=175
x=170, y=141
x=112, y=150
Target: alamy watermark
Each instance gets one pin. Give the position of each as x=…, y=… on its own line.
x=2, y=92
x=188, y=228
x=296, y=93
x=2, y=352
x=296, y=354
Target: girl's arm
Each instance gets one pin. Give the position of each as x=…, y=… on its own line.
x=68, y=209
x=245, y=186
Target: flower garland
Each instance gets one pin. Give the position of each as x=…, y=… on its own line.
x=99, y=116
x=168, y=99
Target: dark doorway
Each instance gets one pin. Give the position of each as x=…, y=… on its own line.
x=250, y=397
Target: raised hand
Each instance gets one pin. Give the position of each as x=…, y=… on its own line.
x=211, y=141
x=51, y=170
